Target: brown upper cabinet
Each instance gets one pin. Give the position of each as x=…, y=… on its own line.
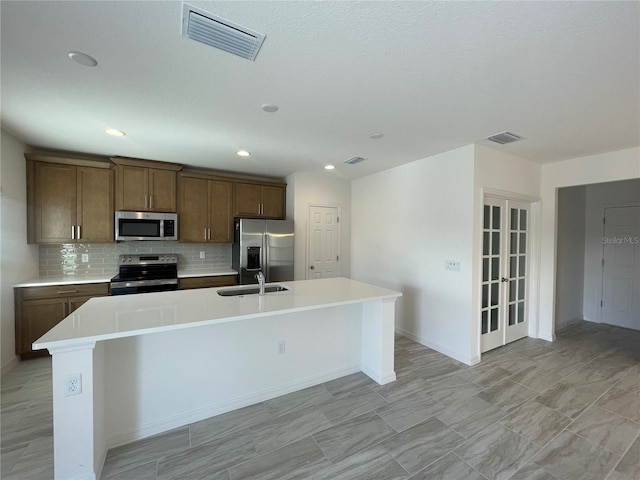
x=145, y=185
x=259, y=201
x=69, y=200
x=205, y=209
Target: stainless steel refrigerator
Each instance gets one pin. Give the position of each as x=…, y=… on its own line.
x=263, y=245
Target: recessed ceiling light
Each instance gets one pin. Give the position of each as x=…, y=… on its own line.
x=270, y=108
x=376, y=135
x=329, y=167
x=114, y=132
x=82, y=59
x=243, y=153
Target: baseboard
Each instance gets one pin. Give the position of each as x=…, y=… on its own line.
x=378, y=376
x=467, y=359
x=548, y=336
x=186, y=418
x=9, y=366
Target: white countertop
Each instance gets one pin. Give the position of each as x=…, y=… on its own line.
x=78, y=279
x=106, y=318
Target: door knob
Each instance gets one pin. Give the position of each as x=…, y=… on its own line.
x=312, y=267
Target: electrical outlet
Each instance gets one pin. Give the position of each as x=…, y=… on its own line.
x=73, y=384
x=85, y=258
x=452, y=265
x=282, y=347
x=202, y=255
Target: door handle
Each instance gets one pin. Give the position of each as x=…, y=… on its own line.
x=504, y=279
x=312, y=267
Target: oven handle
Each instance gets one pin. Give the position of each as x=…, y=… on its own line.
x=145, y=283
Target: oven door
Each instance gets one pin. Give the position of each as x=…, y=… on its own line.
x=143, y=286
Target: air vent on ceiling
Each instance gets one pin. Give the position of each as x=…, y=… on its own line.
x=504, y=137
x=354, y=160
x=204, y=27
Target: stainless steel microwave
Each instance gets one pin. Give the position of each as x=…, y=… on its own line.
x=146, y=226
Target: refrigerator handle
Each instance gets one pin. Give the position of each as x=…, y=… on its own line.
x=266, y=260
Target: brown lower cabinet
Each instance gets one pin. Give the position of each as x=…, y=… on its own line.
x=39, y=309
x=207, y=282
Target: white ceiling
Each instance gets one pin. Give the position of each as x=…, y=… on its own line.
x=431, y=76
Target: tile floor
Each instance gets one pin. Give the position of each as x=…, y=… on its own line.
x=532, y=410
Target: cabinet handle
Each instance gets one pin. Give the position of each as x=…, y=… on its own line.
x=205, y=233
x=78, y=236
x=150, y=202
x=73, y=232
x=145, y=202
x=60, y=292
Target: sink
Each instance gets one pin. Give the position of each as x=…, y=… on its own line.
x=250, y=290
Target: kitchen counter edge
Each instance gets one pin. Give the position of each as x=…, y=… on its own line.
x=80, y=279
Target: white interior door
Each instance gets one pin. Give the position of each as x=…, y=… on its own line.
x=621, y=267
x=324, y=235
x=505, y=272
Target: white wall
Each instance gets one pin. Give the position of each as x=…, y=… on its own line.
x=597, y=198
x=571, y=255
x=607, y=167
x=325, y=189
x=18, y=261
x=406, y=222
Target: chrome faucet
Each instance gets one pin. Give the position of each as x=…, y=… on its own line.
x=260, y=277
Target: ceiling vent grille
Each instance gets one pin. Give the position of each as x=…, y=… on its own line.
x=204, y=27
x=354, y=160
x=504, y=137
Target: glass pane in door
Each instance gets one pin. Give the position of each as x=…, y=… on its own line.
x=491, y=269
x=518, y=266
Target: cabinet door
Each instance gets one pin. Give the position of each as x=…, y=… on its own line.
x=38, y=317
x=132, y=188
x=193, y=210
x=75, y=303
x=220, y=211
x=273, y=202
x=95, y=205
x=162, y=190
x=247, y=200
x=55, y=202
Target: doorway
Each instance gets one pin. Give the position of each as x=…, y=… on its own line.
x=506, y=246
x=324, y=242
x=621, y=267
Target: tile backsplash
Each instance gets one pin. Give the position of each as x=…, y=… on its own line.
x=66, y=259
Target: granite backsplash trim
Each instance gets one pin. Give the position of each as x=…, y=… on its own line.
x=66, y=259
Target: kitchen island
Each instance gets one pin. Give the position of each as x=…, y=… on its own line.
x=143, y=364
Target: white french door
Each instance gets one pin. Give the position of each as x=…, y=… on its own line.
x=505, y=272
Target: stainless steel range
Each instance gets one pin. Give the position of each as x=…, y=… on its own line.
x=145, y=273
